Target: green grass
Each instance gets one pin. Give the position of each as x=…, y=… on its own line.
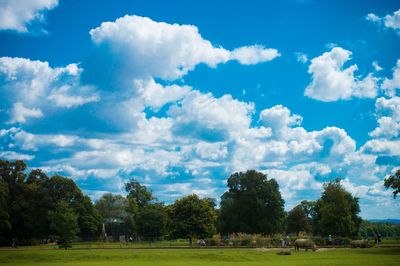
x=197, y=257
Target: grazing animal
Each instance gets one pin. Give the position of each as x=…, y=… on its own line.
x=304, y=243
x=359, y=243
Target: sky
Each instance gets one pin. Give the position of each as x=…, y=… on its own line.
x=180, y=95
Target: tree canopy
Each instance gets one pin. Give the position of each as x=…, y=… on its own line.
x=191, y=217
x=337, y=212
x=297, y=220
x=30, y=196
x=253, y=204
x=393, y=182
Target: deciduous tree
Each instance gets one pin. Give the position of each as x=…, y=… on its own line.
x=253, y=204
x=191, y=217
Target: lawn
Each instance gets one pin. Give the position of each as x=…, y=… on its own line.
x=199, y=256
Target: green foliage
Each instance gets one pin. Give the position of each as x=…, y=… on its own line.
x=138, y=193
x=297, y=220
x=253, y=204
x=115, y=210
x=29, y=199
x=337, y=212
x=64, y=222
x=393, y=182
x=5, y=223
x=191, y=217
x=152, y=221
x=370, y=229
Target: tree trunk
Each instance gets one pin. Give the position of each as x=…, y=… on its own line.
x=190, y=240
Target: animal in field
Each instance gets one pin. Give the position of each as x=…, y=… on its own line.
x=305, y=244
x=359, y=243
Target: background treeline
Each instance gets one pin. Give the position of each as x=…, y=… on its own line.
x=35, y=208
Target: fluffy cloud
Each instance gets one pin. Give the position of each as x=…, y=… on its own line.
x=388, y=114
x=279, y=119
x=330, y=82
x=140, y=48
x=28, y=86
x=17, y=15
x=250, y=55
x=205, y=117
x=382, y=147
x=387, y=128
x=155, y=95
x=391, y=85
x=19, y=113
x=389, y=21
x=11, y=156
x=301, y=57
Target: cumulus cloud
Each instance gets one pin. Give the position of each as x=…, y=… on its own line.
x=30, y=86
x=388, y=21
x=251, y=55
x=140, y=48
x=11, y=156
x=155, y=95
x=206, y=117
x=330, y=82
x=387, y=128
x=390, y=86
x=19, y=113
x=17, y=15
x=279, y=119
x=388, y=118
x=382, y=147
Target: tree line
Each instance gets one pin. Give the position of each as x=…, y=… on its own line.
x=35, y=207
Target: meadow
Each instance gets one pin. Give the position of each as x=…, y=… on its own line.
x=197, y=256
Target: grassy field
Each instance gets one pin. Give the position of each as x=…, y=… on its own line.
x=193, y=257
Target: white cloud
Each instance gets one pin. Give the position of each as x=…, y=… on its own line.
x=393, y=21
x=382, y=147
x=16, y=14
x=387, y=128
x=279, y=119
x=388, y=21
x=391, y=85
x=19, y=113
x=254, y=54
x=376, y=66
x=330, y=82
x=11, y=156
x=301, y=57
x=200, y=113
x=372, y=17
x=388, y=107
x=62, y=97
x=388, y=115
x=156, y=96
x=142, y=48
x=31, y=86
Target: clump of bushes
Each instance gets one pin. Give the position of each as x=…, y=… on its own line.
x=245, y=240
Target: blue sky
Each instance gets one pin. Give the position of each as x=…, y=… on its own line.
x=180, y=95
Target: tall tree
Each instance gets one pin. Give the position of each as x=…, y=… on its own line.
x=393, y=182
x=191, y=217
x=59, y=188
x=253, y=204
x=64, y=223
x=138, y=193
x=297, y=221
x=5, y=223
x=152, y=221
x=337, y=211
x=115, y=212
